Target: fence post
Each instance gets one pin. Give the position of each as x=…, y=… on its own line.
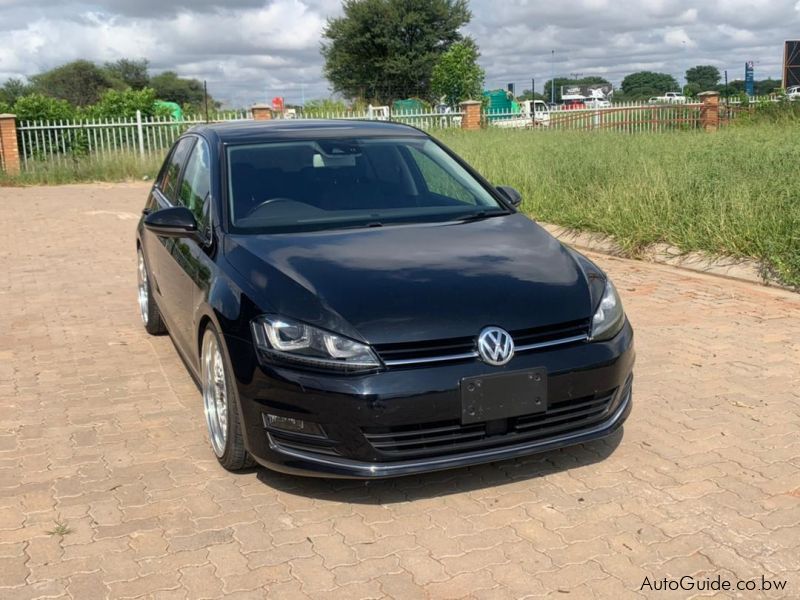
x=472, y=114
x=9, y=150
x=140, y=132
x=709, y=111
x=261, y=112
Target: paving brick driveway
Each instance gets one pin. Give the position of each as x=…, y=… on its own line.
x=101, y=430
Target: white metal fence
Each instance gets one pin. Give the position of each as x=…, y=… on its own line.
x=59, y=142
x=48, y=142
x=63, y=141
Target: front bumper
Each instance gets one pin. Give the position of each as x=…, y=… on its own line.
x=589, y=391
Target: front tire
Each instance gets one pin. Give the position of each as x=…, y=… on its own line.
x=220, y=403
x=151, y=317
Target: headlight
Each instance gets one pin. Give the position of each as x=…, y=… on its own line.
x=609, y=317
x=293, y=341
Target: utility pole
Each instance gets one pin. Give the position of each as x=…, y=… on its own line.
x=553, y=78
x=533, y=87
x=576, y=76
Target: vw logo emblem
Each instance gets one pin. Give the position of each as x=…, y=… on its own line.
x=495, y=346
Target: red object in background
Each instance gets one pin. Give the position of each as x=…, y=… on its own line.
x=277, y=103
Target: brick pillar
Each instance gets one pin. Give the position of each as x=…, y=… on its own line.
x=8, y=144
x=472, y=115
x=709, y=111
x=262, y=112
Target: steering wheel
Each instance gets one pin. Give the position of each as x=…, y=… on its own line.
x=266, y=202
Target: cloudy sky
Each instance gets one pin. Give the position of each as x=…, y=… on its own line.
x=252, y=50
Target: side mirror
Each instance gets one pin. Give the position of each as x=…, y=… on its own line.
x=511, y=194
x=175, y=221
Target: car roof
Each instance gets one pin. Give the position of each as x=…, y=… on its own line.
x=239, y=132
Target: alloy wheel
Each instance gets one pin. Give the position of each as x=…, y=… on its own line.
x=215, y=393
x=144, y=293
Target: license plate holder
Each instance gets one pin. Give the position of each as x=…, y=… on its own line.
x=503, y=395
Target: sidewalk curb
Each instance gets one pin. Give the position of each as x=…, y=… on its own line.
x=740, y=269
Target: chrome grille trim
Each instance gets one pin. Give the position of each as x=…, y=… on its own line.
x=567, y=340
x=429, y=359
x=451, y=357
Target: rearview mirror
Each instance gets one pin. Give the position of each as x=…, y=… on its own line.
x=175, y=221
x=510, y=194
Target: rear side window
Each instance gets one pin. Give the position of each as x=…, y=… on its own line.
x=168, y=182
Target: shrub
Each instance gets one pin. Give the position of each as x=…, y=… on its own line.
x=36, y=107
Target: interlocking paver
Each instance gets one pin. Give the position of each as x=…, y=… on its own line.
x=101, y=429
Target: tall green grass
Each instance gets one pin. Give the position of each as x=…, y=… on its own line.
x=733, y=193
x=112, y=167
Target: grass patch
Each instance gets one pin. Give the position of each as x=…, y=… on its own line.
x=60, y=529
x=733, y=193
x=113, y=167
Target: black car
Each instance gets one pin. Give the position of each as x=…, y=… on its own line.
x=356, y=301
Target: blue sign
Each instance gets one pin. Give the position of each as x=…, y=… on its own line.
x=749, y=79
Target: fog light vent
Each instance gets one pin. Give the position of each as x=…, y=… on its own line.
x=292, y=425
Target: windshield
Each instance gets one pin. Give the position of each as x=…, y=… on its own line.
x=335, y=183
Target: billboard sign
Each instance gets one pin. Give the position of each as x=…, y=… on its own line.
x=596, y=90
x=791, y=64
x=749, y=79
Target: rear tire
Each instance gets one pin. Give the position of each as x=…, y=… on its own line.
x=151, y=317
x=221, y=404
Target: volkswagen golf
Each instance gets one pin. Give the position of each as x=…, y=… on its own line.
x=354, y=300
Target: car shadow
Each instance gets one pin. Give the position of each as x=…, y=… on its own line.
x=443, y=483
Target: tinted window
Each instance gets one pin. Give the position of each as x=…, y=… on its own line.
x=172, y=169
x=329, y=183
x=196, y=182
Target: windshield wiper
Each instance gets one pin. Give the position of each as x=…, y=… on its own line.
x=481, y=214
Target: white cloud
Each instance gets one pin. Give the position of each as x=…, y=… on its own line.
x=251, y=50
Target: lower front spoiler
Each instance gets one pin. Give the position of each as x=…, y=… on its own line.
x=297, y=462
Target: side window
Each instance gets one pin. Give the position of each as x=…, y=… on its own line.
x=168, y=182
x=196, y=183
x=438, y=180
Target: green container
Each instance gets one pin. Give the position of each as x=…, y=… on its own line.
x=409, y=105
x=174, y=109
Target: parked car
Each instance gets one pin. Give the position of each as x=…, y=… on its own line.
x=354, y=300
x=793, y=93
x=669, y=98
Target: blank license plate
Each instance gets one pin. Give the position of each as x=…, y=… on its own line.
x=503, y=395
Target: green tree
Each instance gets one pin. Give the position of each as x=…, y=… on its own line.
x=530, y=95
x=80, y=82
x=13, y=89
x=387, y=49
x=37, y=107
x=764, y=87
x=168, y=86
x=644, y=84
x=703, y=77
x=128, y=73
x=457, y=74
x=117, y=104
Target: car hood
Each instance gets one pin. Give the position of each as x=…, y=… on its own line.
x=411, y=283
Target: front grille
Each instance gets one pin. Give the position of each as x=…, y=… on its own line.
x=463, y=348
x=451, y=437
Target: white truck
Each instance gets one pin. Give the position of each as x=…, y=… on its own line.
x=669, y=98
x=533, y=113
x=793, y=93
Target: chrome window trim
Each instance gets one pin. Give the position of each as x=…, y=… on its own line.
x=474, y=354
